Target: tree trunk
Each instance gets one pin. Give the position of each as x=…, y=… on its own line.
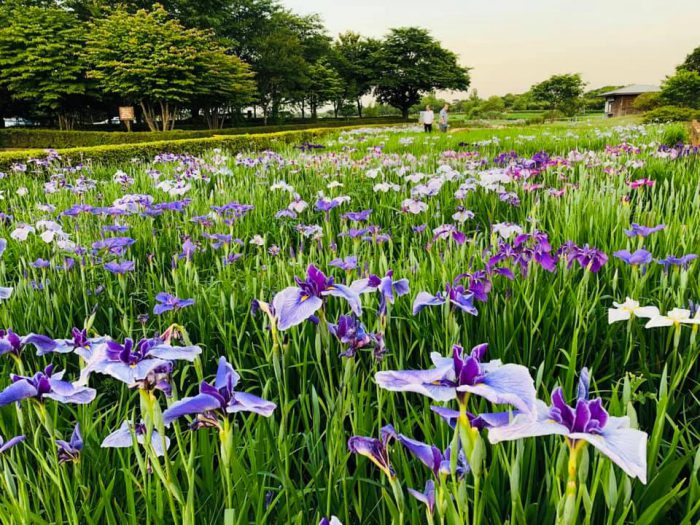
x=404, y=113
x=359, y=107
x=2, y=121
x=149, y=117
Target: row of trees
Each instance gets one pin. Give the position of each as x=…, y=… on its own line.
x=73, y=61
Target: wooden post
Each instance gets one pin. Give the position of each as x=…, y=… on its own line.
x=695, y=133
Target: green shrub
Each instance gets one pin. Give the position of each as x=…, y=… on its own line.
x=20, y=138
x=115, y=153
x=671, y=114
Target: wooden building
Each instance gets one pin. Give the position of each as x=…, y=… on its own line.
x=620, y=102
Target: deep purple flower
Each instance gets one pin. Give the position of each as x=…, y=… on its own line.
x=169, y=303
x=70, y=450
x=78, y=341
x=587, y=421
x=217, y=400
x=457, y=296
x=588, y=257
x=352, y=334
x=296, y=304
x=464, y=373
x=45, y=385
x=636, y=258
x=10, y=342
x=375, y=449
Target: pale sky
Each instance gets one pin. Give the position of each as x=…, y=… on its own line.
x=512, y=44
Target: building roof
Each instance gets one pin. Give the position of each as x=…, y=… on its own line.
x=634, y=89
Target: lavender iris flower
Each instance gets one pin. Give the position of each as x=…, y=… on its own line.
x=120, y=268
x=681, y=262
x=637, y=230
x=7, y=445
x=45, y=385
x=78, y=341
x=375, y=449
x=357, y=216
x=457, y=296
x=70, y=450
x=636, y=258
x=462, y=374
x=146, y=364
x=123, y=437
x=427, y=496
x=347, y=264
x=388, y=288
x=168, y=302
x=588, y=421
x=217, y=400
x=296, y=304
x=330, y=521
x=10, y=342
x=431, y=456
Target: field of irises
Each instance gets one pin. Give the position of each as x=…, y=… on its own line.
x=387, y=327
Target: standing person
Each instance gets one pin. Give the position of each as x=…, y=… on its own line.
x=428, y=119
x=442, y=123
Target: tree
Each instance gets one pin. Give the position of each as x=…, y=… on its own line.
x=148, y=58
x=682, y=89
x=647, y=101
x=39, y=60
x=410, y=63
x=225, y=82
x=353, y=59
x=560, y=92
x=692, y=61
x=324, y=85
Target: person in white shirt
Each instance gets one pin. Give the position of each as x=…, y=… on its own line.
x=428, y=117
x=442, y=123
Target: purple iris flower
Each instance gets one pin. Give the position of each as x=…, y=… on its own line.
x=45, y=385
x=433, y=458
x=637, y=230
x=387, y=287
x=296, y=304
x=347, y=264
x=145, y=364
x=427, y=496
x=78, y=341
x=682, y=261
x=70, y=450
x=462, y=374
x=480, y=422
x=357, y=216
x=353, y=335
x=120, y=268
x=375, y=449
x=587, y=256
x=113, y=245
x=217, y=400
x=587, y=421
x=41, y=263
x=636, y=258
x=330, y=521
x=168, y=302
x=123, y=437
x=7, y=445
x=457, y=296
x=449, y=231
x=10, y=342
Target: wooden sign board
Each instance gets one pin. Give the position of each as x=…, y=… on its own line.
x=126, y=113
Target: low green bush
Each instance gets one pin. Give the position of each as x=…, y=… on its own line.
x=21, y=138
x=115, y=153
x=671, y=114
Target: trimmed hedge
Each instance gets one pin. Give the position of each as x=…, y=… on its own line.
x=671, y=114
x=21, y=138
x=115, y=153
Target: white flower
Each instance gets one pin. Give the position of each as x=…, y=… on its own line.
x=506, y=229
x=462, y=216
x=21, y=192
x=298, y=205
x=372, y=174
x=413, y=206
x=257, y=240
x=385, y=187
x=22, y=232
x=675, y=318
x=625, y=311
x=282, y=185
x=334, y=184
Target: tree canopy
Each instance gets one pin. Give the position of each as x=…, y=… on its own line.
x=561, y=92
x=410, y=62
